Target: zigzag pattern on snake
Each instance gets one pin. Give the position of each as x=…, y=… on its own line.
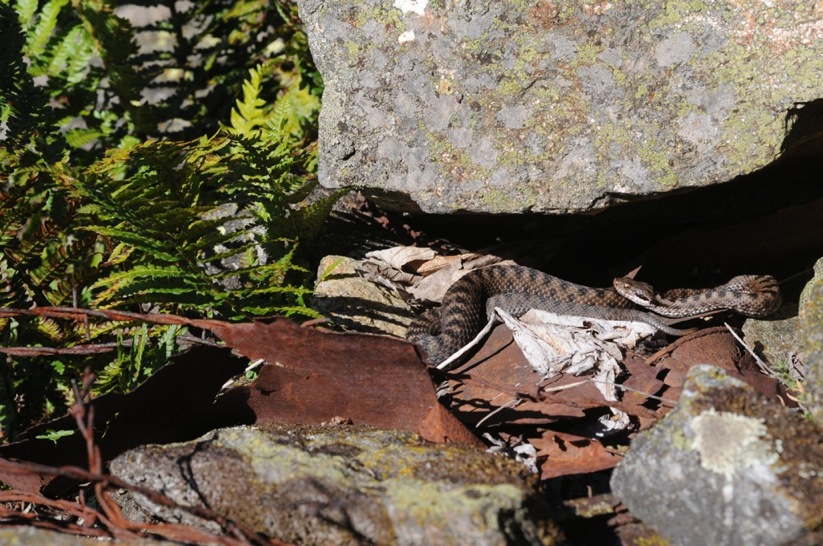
x=440, y=332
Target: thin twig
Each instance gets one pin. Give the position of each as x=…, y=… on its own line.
x=764, y=368
x=449, y=362
x=638, y=391
x=508, y=405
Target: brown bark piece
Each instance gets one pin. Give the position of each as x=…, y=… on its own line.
x=715, y=346
x=567, y=454
x=313, y=377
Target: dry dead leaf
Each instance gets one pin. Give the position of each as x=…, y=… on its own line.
x=564, y=454
x=715, y=346
x=556, y=344
x=399, y=257
x=499, y=390
x=420, y=271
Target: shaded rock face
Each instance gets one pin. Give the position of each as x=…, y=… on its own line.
x=32, y=536
x=343, y=485
x=547, y=106
x=812, y=318
x=726, y=467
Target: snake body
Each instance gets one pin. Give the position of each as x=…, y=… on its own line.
x=754, y=296
x=440, y=332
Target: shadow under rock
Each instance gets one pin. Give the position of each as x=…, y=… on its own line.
x=355, y=314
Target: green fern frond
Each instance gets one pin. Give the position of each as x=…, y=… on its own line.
x=45, y=25
x=285, y=311
x=25, y=10
x=287, y=117
x=292, y=110
x=22, y=104
x=113, y=38
x=57, y=257
x=136, y=241
x=151, y=198
x=71, y=56
x=310, y=218
x=141, y=282
x=77, y=138
x=249, y=115
x=149, y=350
x=52, y=329
x=35, y=237
x=282, y=290
x=102, y=204
x=118, y=255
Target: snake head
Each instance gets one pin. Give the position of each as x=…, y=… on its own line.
x=636, y=291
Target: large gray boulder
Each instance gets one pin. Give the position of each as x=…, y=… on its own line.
x=343, y=485
x=543, y=106
x=727, y=466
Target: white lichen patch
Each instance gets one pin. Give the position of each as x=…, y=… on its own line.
x=413, y=6
x=407, y=36
x=730, y=443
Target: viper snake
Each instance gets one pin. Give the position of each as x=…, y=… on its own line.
x=469, y=302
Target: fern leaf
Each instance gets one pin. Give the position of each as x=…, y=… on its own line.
x=284, y=310
x=119, y=254
x=138, y=241
x=310, y=218
x=286, y=290
x=147, y=284
x=57, y=258
x=51, y=329
x=71, y=56
x=25, y=10
x=22, y=104
x=39, y=35
x=249, y=114
x=77, y=138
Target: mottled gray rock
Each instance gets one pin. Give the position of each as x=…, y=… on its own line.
x=355, y=303
x=345, y=485
x=727, y=466
x=792, y=341
x=812, y=320
x=31, y=536
x=554, y=106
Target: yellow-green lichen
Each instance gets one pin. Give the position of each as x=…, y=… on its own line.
x=675, y=11
x=509, y=87
x=423, y=502
x=587, y=54
x=679, y=439
x=518, y=157
x=387, y=17
x=657, y=163
x=452, y=161
x=652, y=540
x=352, y=50
x=261, y=454
x=620, y=78
x=499, y=200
